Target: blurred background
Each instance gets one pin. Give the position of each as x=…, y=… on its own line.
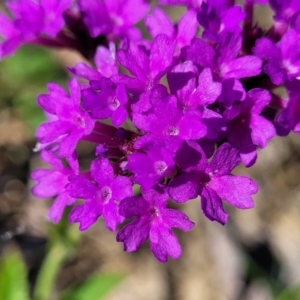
x=256, y=256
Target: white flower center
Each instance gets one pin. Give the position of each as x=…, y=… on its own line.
x=160, y=167
x=105, y=193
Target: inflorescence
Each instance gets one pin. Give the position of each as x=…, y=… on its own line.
x=170, y=115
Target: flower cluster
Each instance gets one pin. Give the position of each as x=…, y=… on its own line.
x=171, y=115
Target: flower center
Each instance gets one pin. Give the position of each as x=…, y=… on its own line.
x=105, y=194
x=173, y=130
x=114, y=103
x=79, y=120
x=289, y=67
x=160, y=167
x=204, y=179
x=153, y=211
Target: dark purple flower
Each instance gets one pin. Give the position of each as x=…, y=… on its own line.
x=68, y=123
x=52, y=182
x=224, y=59
x=247, y=129
x=150, y=167
x=105, y=60
x=183, y=32
x=189, y=3
x=169, y=124
x=212, y=181
x=217, y=16
x=111, y=17
x=109, y=102
x=146, y=69
x=284, y=10
x=102, y=196
x=152, y=221
x=30, y=20
x=282, y=59
x=193, y=91
x=289, y=118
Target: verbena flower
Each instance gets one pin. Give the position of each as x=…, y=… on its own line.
x=212, y=181
x=171, y=114
x=102, y=196
x=153, y=221
x=30, y=20
x=52, y=182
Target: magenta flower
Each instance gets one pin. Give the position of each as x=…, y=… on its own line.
x=282, y=59
x=68, y=123
x=113, y=17
x=247, y=129
x=189, y=3
x=102, y=197
x=169, y=125
x=217, y=16
x=109, y=102
x=172, y=113
x=152, y=221
x=105, y=60
x=31, y=19
x=212, y=181
x=52, y=182
x=224, y=60
x=284, y=10
x=147, y=70
x=151, y=167
x=182, y=33
x=289, y=118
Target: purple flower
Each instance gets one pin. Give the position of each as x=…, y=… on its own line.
x=105, y=60
x=282, y=59
x=111, y=17
x=217, y=16
x=52, y=182
x=169, y=124
x=189, y=3
x=212, y=181
x=224, y=60
x=146, y=69
x=68, y=123
x=183, y=33
x=102, y=196
x=246, y=128
x=193, y=91
x=30, y=20
x=150, y=167
x=152, y=221
x=289, y=118
x=284, y=10
x=109, y=102
x=197, y=92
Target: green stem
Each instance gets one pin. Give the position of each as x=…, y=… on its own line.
x=49, y=271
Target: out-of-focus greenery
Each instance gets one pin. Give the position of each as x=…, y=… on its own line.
x=63, y=240
x=23, y=77
x=292, y=293
x=13, y=284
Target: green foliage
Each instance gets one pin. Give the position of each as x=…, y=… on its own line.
x=292, y=293
x=94, y=288
x=49, y=271
x=63, y=240
x=23, y=77
x=13, y=277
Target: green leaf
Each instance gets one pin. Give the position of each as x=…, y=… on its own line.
x=48, y=273
x=13, y=277
x=94, y=288
x=24, y=76
x=292, y=293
